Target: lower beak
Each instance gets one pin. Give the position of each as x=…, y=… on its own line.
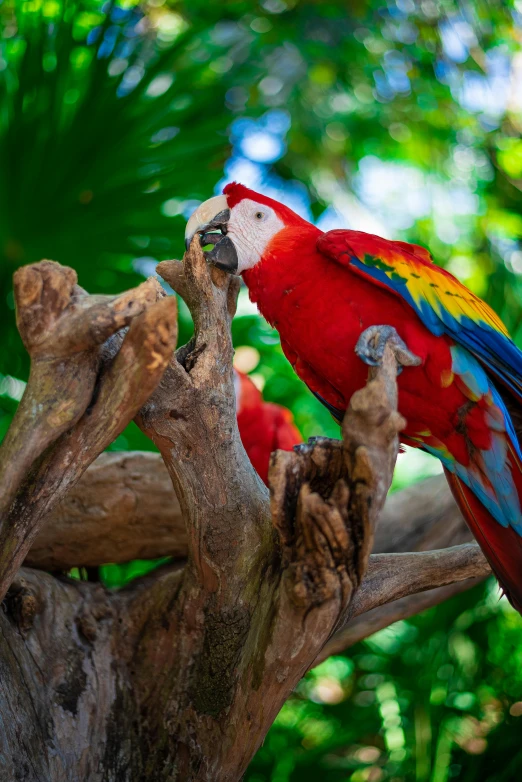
x=210, y=222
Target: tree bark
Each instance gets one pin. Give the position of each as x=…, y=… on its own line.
x=179, y=676
x=124, y=507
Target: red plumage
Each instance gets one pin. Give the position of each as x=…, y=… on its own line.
x=502, y=546
x=264, y=427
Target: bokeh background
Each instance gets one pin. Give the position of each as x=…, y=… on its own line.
x=398, y=117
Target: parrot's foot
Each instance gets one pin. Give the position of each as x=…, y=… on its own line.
x=372, y=342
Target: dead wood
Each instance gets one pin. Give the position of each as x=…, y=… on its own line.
x=124, y=507
x=75, y=403
x=179, y=676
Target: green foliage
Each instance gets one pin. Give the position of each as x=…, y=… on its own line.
x=115, y=576
x=427, y=699
x=402, y=118
x=101, y=146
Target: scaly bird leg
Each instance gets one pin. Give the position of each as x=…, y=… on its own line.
x=370, y=347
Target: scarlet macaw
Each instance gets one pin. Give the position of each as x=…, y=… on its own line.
x=263, y=426
x=321, y=291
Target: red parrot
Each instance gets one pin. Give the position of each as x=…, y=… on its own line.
x=263, y=426
x=322, y=291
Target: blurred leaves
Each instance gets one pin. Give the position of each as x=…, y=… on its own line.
x=104, y=119
x=437, y=697
x=400, y=118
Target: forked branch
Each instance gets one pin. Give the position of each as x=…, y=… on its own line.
x=253, y=611
x=75, y=403
x=205, y=655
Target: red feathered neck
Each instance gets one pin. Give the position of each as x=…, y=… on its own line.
x=249, y=394
x=236, y=193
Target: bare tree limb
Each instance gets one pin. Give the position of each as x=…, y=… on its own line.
x=249, y=648
x=122, y=385
x=191, y=418
x=400, y=585
x=50, y=309
x=124, y=507
x=376, y=619
x=392, y=576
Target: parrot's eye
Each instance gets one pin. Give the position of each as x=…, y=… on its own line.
x=260, y=215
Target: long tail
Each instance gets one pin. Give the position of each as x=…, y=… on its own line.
x=502, y=546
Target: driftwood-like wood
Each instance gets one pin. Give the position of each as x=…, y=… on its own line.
x=375, y=619
x=77, y=402
x=124, y=507
x=325, y=499
x=179, y=676
x=391, y=577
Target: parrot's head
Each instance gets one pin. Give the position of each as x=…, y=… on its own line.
x=241, y=225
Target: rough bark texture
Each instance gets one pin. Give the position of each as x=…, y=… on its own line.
x=124, y=507
x=179, y=676
x=76, y=402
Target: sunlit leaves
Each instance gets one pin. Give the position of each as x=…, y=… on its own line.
x=509, y=156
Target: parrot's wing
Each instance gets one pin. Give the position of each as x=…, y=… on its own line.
x=444, y=304
x=336, y=414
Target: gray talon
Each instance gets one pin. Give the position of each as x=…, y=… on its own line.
x=305, y=448
x=372, y=342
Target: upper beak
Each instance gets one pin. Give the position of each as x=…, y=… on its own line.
x=209, y=216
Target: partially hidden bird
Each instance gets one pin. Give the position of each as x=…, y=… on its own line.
x=263, y=426
x=323, y=291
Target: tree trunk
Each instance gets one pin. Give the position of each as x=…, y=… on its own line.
x=180, y=675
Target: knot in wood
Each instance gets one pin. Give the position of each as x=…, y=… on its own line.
x=22, y=604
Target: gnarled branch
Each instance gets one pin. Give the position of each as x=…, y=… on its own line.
x=61, y=328
x=252, y=611
x=124, y=507
x=75, y=403
x=182, y=673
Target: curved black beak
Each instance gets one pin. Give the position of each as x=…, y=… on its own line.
x=210, y=222
x=224, y=254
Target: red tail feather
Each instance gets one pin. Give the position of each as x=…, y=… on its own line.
x=501, y=546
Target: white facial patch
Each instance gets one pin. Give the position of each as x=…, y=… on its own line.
x=251, y=227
